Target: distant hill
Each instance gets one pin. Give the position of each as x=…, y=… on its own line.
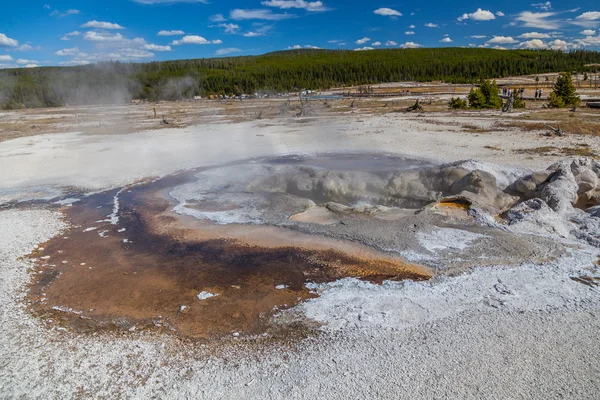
x=115, y=82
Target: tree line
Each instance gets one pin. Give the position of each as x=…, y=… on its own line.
x=114, y=82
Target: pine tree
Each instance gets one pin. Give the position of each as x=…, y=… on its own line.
x=564, y=92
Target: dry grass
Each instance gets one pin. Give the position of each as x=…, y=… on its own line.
x=578, y=151
x=574, y=126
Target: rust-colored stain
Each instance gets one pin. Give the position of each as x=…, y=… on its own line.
x=134, y=276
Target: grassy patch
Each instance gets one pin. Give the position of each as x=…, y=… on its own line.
x=571, y=126
x=579, y=151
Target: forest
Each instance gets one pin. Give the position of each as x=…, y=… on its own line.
x=117, y=82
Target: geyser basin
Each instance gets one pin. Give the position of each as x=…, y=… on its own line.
x=129, y=262
x=218, y=251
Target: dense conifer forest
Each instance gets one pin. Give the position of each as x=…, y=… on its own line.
x=114, y=82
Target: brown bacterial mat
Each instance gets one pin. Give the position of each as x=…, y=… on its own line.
x=150, y=272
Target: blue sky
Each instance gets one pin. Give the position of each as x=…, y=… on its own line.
x=71, y=32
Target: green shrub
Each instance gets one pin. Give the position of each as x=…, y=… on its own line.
x=486, y=96
x=457, y=104
x=564, y=92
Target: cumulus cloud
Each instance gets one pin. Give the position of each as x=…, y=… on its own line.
x=479, y=15
x=391, y=43
x=541, y=20
x=410, y=45
x=5, y=41
x=194, y=39
x=533, y=44
x=499, y=14
x=375, y=44
x=102, y=37
x=431, y=25
x=363, y=40
x=101, y=25
x=227, y=50
x=534, y=35
x=501, y=40
x=300, y=4
x=268, y=15
x=588, y=32
x=409, y=33
x=66, y=13
x=543, y=6
x=156, y=47
x=446, y=40
x=230, y=28
x=218, y=18
x=298, y=47
x=5, y=58
x=67, y=52
x=478, y=36
x=69, y=35
x=171, y=33
x=364, y=48
x=388, y=12
x=559, y=45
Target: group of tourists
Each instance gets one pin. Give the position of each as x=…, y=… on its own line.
x=510, y=92
x=521, y=92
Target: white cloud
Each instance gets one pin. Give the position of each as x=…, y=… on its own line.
x=253, y=34
x=535, y=35
x=67, y=52
x=412, y=27
x=230, y=28
x=5, y=58
x=170, y=33
x=533, y=44
x=559, y=45
x=194, y=39
x=227, y=50
x=298, y=47
x=500, y=14
x=218, y=18
x=391, y=43
x=363, y=40
x=589, y=16
x=301, y=4
x=588, y=32
x=27, y=47
x=539, y=20
x=239, y=14
x=156, y=47
x=102, y=37
x=66, y=13
x=410, y=45
x=388, y=12
x=69, y=35
x=479, y=15
x=366, y=48
x=446, y=40
x=543, y=6
x=101, y=25
x=5, y=41
x=478, y=36
x=589, y=41
x=431, y=25
x=376, y=44
x=409, y=33
x=22, y=61
x=501, y=40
